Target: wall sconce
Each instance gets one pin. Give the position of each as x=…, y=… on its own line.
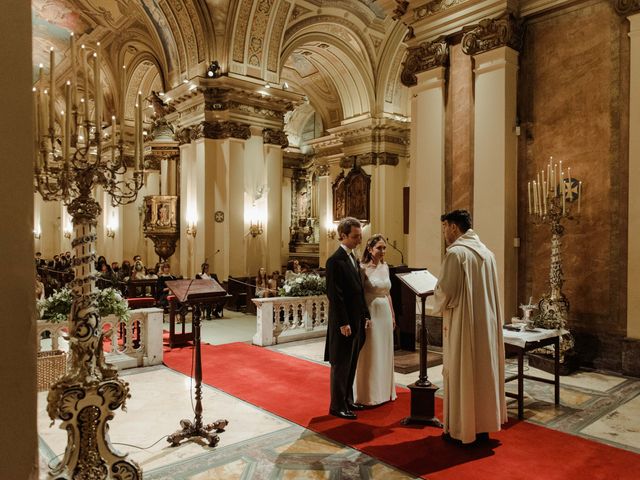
x=37, y=233
x=192, y=229
x=331, y=233
x=67, y=234
x=111, y=232
x=255, y=228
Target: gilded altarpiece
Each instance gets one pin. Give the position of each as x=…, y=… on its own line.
x=305, y=222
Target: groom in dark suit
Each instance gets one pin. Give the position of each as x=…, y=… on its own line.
x=347, y=315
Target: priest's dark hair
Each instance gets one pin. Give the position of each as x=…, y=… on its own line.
x=461, y=218
x=345, y=226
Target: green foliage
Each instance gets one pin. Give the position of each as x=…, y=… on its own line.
x=56, y=308
x=303, y=285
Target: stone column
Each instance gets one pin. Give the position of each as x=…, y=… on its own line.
x=426, y=170
x=633, y=260
x=495, y=144
x=274, y=142
x=19, y=436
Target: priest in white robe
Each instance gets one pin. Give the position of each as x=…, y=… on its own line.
x=467, y=297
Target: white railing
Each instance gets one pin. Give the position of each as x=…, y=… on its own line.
x=136, y=342
x=286, y=319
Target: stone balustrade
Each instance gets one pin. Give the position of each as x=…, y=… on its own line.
x=287, y=319
x=136, y=342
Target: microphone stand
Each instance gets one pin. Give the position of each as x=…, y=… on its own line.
x=397, y=250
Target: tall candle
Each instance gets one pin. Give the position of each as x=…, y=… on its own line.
x=123, y=93
x=544, y=196
x=36, y=128
x=562, y=190
x=44, y=117
x=85, y=81
x=540, y=199
x=52, y=89
x=529, y=195
x=113, y=139
x=67, y=124
x=579, y=195
x=97, y=101
x=74, y=72
x=535, y=198
x=140, y=139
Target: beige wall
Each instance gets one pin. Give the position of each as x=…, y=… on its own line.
x=18, y=439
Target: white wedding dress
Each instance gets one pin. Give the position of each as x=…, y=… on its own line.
x=374, y=383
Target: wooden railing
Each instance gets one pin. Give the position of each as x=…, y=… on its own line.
x=286, y=319
x=136, y=342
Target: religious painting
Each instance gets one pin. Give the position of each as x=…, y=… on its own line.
x=357, y=187
x=160, y=213
x=339, y=198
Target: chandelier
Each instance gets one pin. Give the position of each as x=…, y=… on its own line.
x=73, y=156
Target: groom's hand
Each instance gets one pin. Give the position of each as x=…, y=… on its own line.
x=345, y=330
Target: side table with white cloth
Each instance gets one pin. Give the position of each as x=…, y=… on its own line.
x=523, y=342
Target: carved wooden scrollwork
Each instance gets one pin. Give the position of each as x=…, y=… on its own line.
x=424, y=57
x=491, y=33
x=626, y=7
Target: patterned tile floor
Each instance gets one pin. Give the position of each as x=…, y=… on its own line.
x=259, y=445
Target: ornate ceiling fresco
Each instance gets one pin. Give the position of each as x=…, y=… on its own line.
x=328, y=46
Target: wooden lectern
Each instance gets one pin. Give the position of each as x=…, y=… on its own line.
x=423, y=404
x=196, y=294
x=403, y=299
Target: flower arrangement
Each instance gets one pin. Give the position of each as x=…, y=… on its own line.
x=56, y=307
x=303, y=285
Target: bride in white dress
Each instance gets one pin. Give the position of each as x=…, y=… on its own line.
x=374, y=383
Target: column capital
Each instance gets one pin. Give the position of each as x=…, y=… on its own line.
x=492, y=33
x=423, y=57
x=626, y=7
x=214, y=131
x=275, y=137
x=370, y=158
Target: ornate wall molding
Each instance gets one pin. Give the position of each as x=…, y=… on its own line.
x=433, y=7
x=626, y=7
x=220, y=130
x=491, y=33
x=275, y=137
x=370, y=158
x=183, y=135
x=424, y=57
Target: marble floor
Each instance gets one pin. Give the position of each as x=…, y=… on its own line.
x=595, y=405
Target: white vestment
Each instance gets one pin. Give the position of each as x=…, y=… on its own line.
x=467, y=297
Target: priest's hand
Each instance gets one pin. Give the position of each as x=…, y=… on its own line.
x=345, y=330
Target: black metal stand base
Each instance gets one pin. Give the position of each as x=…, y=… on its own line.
x=190, y=429
x=422, y=405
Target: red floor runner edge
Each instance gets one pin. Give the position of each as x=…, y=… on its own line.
x=298, y=390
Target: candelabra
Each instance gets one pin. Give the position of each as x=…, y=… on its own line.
x=255, y=228
x=551, y=200
x=69, y=163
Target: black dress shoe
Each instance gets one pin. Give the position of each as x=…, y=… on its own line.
x=356, y=406
x=349, y=415
x=482, y=437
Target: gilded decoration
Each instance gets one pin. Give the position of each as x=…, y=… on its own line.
x=259, y=28
x=436, y=6
x=241, y=30
x=424, y=57
x=276, y=36
x=626, y=7
x=275, y=137
x=371, y=158
x=216, y=99
x=220, y=130
x=183, y=135
x=161, y=223
x=491, y=33
x=351, y=195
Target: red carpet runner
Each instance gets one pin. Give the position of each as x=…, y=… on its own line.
x=298, y=390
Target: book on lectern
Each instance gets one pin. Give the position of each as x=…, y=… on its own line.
x=422, y=282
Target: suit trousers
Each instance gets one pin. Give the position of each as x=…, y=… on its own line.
x=343, y=374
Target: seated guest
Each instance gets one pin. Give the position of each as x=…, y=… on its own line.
x=39, y=288
x=138, y=271
x=262, y=283
x=162, y=290
x=209, y=309
x=293, y=268
x=150, y=273
x=275, y=282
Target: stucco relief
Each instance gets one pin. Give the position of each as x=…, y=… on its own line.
x=239, y=38
x=424, y=57
x=433, y=7
x=259, y=23
x=626, y=7
x=504, y=31
x=276, y=36
x=392, y=80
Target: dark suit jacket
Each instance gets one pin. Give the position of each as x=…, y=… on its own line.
x=347, y=306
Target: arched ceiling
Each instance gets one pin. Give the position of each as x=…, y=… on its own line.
x=335, y=51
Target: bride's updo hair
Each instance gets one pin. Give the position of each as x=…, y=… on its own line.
x=366, y=256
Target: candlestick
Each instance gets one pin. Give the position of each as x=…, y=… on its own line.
x=113, y=138
x=52, y=90
x=562, y=190
x=540, y=199
x=74, y=72
x=544, y=197
x=529, y=195
x=139, y=139
x=535, y=198
x=36, y=129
